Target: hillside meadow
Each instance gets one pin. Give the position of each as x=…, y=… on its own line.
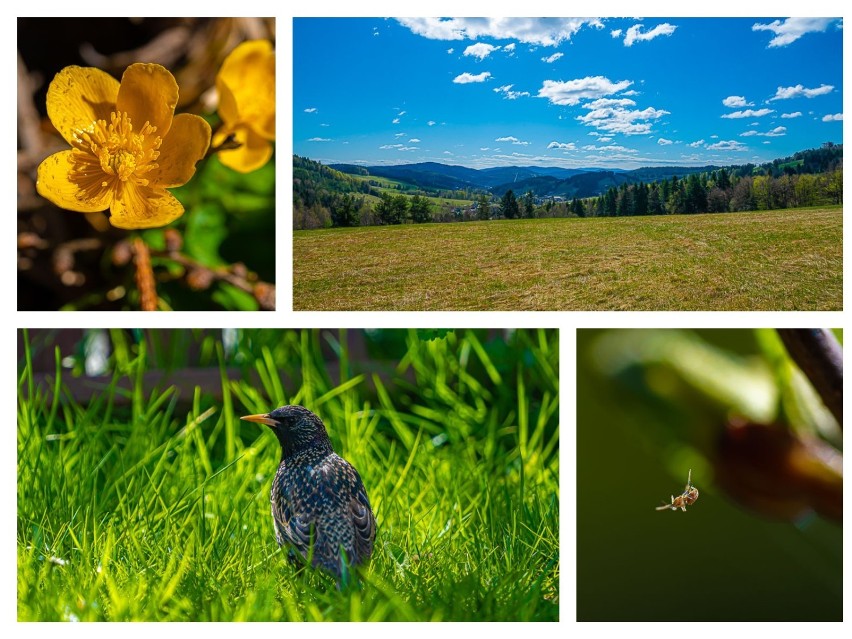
x=769, y=260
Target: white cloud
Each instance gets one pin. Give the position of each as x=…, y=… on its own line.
x=564, y=146
x=311, y=110
x=398, y=147
x=448, y=152
x=791, y=29
x=837, y=117
x=631, y=93
x=508, y=94
x=485, y=148
x=798, y=91
x=510, y=48
x=401, y=113
x=399, y=135
x=512, y=139
x=320, y=140
x=450, y=51
x=431, y=123
x=395, y=121
x=635, y=33
x=794, y=114
x=552, y=58
x=604, y=138
x=609, y=147
x=480, y=50
x=777, y=132
x=603, y=103
x=696, y=144
x=621, y=120
x=547, y=32
x=571, y=92
x=664, y=142
x=467, y=78
x=736, y=101
x=727, y=145
x=616, y=33
x=748, y=113
x=414, y=140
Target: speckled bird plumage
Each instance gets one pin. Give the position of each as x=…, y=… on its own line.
x=317, y=492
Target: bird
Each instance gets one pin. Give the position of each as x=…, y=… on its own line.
x=320, y=508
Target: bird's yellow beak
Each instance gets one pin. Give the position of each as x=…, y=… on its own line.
x=260, y=419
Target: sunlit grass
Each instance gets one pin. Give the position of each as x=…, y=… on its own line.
x=761, y=260
x=156, y=507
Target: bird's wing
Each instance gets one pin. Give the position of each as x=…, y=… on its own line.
x=363, y=522
x=289, y=528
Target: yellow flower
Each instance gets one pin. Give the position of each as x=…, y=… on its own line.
x=246, y=87
x=128, y=146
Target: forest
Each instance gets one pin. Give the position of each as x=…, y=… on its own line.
x=324, y=197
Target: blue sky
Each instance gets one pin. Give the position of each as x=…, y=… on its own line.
x=570, y=92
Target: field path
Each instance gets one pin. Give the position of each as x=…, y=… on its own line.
x=767, y=260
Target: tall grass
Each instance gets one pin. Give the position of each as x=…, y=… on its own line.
x=148, y=506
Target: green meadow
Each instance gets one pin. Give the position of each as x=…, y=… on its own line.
x=769, y=260
x=145, y=498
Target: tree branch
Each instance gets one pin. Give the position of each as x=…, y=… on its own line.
x=820, y=356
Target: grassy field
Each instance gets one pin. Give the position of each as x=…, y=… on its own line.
x=142, y=505
x=768, y=260
x=393, y=187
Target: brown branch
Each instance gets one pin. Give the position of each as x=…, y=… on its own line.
x=144, y=276
x=820, y=357
x=201, y=277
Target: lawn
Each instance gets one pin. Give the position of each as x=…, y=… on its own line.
x=767, y=260
x=146, y=503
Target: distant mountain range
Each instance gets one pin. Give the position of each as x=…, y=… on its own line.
x=542, y=181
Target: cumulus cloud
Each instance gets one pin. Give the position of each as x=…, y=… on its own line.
x=395, y=121
x=398, y=147
x=789, y=30
x=467, y=78
x=664, y=142
x=508, y=94
x=320, y=140
x=736, y=101
x=727, y=145
x=609, y=148
x=589, y=88
x=311, y=110
x=794, y=114
x=636, y=34
x=748, y=113
x=480, y=50
x=450, y=51
x=777, y=132
x=798, y=91
x=431, y=123
x=414, y=140
x=616, y=33
x=696, y=144
x=603, y=103
x=547, y=32
x=510, y=48
x=552, y=58
x=564, y=146
x=620, y=120
x=837, y=117
x=512, y=139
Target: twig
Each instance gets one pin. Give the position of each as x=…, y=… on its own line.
x=144, y=276
x=820, y=356
x=236, y=275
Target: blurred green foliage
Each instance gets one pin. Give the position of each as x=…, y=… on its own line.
x=651, y=405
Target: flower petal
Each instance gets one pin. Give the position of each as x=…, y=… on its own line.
x=77, y=96
x=55, y=184
x=253, y=153
x=186, y=144
x=148, y=93
x=246, y=86
x=143, y=207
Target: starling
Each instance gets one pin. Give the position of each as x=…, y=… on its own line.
x=319, y=505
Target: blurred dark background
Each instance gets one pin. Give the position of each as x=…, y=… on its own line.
x=76, y=261
x=764, y=540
